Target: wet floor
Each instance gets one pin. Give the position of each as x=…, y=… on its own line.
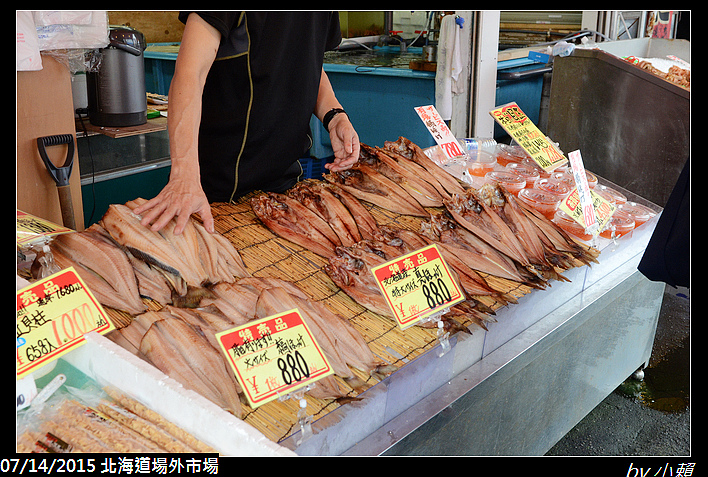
x=650, y=416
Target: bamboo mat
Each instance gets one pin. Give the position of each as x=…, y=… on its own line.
x=268, y=255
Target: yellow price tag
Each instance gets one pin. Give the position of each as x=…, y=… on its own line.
x=274, y=356
x=53, y=315
x=31, y=228
x=571, y=205
x=417, y=285
x=528, y=136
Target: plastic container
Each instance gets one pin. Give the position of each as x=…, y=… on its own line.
x=612, y=199
x=542, y=201
x=506, y=154
x=553, y=186
x=474, y=144
x=567, y=223
x=618, y=197
x=510, y=181
x=638, y=212
x=529, y=172
x=620, y=224
x=480, y=163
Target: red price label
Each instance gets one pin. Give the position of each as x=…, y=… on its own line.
x=53, y=315
x=274, y=356
x=417, y=285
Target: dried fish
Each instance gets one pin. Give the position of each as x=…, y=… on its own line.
x=183, y=354
x=104, y=267
x=420, y=190
x=543, y=259
x=408, y=149
x=321, y=201
x=367, y=184
x=293, y=221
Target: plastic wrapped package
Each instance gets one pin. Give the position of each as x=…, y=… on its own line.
x=27, y=53
x=86, y=30
x=91, y=419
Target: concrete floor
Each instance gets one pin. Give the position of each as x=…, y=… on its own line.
x=651, y=417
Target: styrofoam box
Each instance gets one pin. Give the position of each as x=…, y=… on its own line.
x=109, y=364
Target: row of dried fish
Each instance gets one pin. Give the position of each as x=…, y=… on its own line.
x=181, y=342
x=123, y=261
x=116, y=424
x=486, y=231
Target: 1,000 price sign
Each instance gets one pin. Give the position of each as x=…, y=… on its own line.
x=53, y=315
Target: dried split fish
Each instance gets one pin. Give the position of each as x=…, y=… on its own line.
x=105, y=269
x=367, y=184
x=436, y=174
x=293, y=221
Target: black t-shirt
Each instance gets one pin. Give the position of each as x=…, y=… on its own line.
x=259, y=98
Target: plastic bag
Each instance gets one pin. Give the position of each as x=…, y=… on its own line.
x=89, y=30
x=27, y=49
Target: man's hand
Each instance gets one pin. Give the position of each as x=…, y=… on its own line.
x=179, y=199
x=345, y=143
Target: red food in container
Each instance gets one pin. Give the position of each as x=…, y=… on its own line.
x=542, y=201
x=529, y=172
x=480, y=163
x=567, y=223
x=620, y=224
x=510, y=181
x=618, y=197
x=554, y=186
x=639, y=212
x=506, y=154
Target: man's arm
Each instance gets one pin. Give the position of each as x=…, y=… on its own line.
x=183, y=194
x=345, y=141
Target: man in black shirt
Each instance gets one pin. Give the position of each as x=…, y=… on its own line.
x=245, y=87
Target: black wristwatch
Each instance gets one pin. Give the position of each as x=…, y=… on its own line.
x=331, y=114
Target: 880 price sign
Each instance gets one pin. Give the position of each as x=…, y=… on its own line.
x=273, y=356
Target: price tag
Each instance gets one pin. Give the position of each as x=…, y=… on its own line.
x=417, y=285
x=581, y=185
x=528, y=136
x=274, y=356
x=53, y=315
x=439, y=130
x=31, y=228
x=602, y=209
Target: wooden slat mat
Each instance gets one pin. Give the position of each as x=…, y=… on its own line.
x=268, y=255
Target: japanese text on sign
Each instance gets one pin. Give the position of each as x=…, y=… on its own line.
x=603, y=209
x=581, y=184
x=439, y=130
x=528, y=136
x=52, y=317
x=274, y=356
x=30, y=228
x=417, y=285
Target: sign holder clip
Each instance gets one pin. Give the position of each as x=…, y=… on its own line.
x=443, y=336
x=303, y=419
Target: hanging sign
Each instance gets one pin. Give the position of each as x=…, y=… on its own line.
x=528, y=136
x=417, y=285
x=53, y=314
x=439, y=130
x=274, y=356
